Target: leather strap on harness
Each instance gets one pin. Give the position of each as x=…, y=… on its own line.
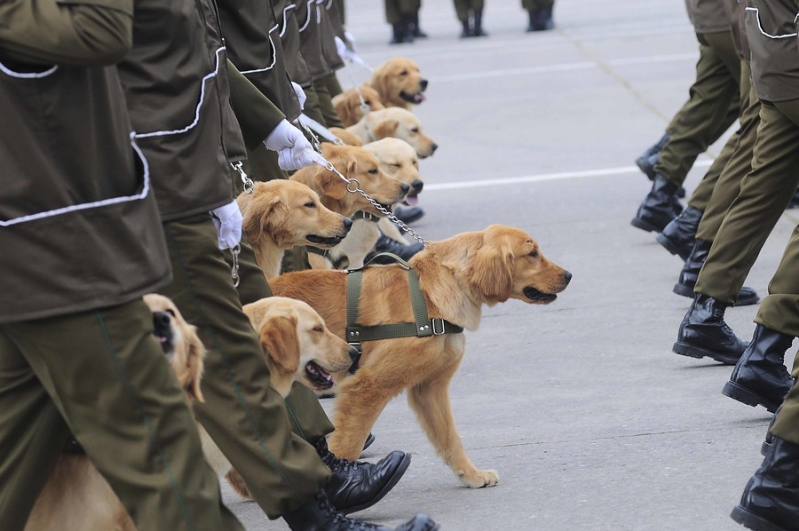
x=422, y=326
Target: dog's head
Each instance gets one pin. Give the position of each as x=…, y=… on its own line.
x=348, y=104
x=507, y=264
x=354, y=163
x=399, y=83
x=398, y=159
x=297, y=345
x=290, y=213
x=183, y=349
x=399, y=123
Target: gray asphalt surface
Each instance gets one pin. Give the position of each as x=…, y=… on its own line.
x=590, y=419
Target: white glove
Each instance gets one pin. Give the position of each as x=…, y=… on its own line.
x=228, y=222
x=349, y=40
x=300, y=94
x=293, y=149
x=341, y=48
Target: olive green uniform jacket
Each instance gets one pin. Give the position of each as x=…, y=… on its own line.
x=79, y=226
x=771, y=29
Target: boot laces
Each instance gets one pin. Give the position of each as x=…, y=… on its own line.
x=333, y=462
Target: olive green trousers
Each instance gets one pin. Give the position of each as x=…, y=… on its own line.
x=242, y=413
x=536, y=5
x=102, y=376
x=739, y=164
x=464, y=7
x=713, y=105
x=764, y=193
x=398, y=10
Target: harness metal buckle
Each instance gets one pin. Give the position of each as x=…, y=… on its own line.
x=441, y=322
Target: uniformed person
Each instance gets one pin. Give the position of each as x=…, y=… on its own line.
x=712, y=107
x=540, y=13
x=81, y=232
x=403, y=15
x=759, y=376
x=191, y=145
x=470, y=14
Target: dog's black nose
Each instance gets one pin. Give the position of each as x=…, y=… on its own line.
x=417, y=185
x=423, y=83
x=405, y=188
x=354, y=354
x=567, y=277
x=433, y=149
x=161, y=320
x=347, y=223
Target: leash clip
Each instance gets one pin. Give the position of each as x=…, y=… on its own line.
x=234, y=270
x=249, y=186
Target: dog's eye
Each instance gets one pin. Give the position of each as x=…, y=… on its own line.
x=318, y=329
x=367, y=102
x=396, y=165
x=404, y=73
x=170, y=312
x=534, y=254
x=414, y=130
x=310, y=204
x=373, y=171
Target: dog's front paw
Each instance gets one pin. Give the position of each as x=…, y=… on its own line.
x=480, y=479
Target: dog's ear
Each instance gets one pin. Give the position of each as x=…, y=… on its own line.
x=386, y=129
x=344, y=108
x=281, y=343
x=194, y=363
x=332, y=185
x=492, y=270
x=380, y=82
x=256, y=214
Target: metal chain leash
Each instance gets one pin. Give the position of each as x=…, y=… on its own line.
x=249, y=186
x=354, y=186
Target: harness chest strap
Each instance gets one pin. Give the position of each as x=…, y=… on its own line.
x=422, y=326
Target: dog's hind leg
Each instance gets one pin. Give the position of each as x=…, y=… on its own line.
x=359, y=402
x=430, y=401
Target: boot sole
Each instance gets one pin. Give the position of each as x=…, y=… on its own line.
x=644, y=225
x=750, y=520
x=685, y=291
x=398, y=473
x=670, y=246
x=745, y=396
x=684, y=349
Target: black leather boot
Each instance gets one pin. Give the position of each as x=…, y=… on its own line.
x=355, y=485
x=466, y=32
x=659, y=207
x=397, y=35
x=533, y=25
x=387, y=245
x=679, y=235
x=317, y=514
x=409, y=214
x=765, y=448
x=407, y=29
x=647, y=160
x=703, y=332
x=770, y=501
x=760, y=376
x=794, y=203
x=690, y=273
x=478, y=24
x=417, y=31
x=545, y=21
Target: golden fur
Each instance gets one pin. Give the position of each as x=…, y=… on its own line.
x=398, y=159
x=399, y=83
x=76, y=496
x=280, y=214
x=392, y=122
x=457, y=275
x=348, y=104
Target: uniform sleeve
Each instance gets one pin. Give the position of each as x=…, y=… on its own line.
x=73, y=32
x=257, y=115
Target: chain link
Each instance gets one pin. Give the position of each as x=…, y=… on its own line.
x=353, y=186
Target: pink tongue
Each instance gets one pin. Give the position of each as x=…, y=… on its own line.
x=412, y=200
x=420, y=97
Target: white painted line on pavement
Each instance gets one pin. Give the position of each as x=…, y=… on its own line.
x=484, y=183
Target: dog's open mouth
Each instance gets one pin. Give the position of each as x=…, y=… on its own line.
x=164, y=337
x=318, y=376
x=412, y=98
x=411, y=200
x=324, y=241
x=538, y=296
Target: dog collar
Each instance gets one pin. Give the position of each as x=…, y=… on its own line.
x=338, y=263
x=423, y=325
x=365, y=215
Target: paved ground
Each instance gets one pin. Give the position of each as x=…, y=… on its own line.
x=591, y=421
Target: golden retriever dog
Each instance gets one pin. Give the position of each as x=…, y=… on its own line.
x=392, y=122
x=398, y=159
x=280, y=214
x=348, y=104
x=457, y=277
x=298, y=347
x=76, y=496
x=399, y=83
